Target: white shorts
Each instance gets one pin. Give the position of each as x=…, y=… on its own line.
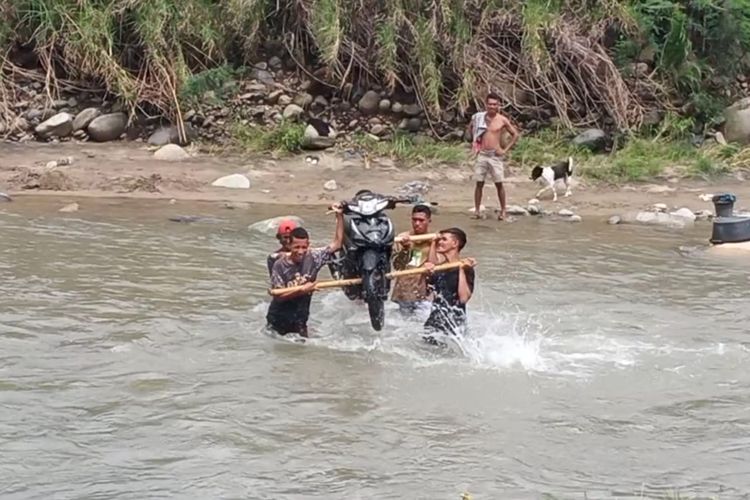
x=489, y=164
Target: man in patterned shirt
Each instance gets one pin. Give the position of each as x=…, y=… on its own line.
x=289, y=312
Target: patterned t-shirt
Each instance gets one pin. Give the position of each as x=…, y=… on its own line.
x=287, y=316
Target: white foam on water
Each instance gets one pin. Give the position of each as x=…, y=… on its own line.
x=509, y=340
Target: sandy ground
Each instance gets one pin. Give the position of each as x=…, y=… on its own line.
x=129, y=170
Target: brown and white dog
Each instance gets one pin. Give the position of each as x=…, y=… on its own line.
x=549, y=175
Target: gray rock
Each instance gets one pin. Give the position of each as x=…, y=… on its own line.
x=319, y=103
x=412, y=110
x=614, y=220
x=274, y=96
x=171, y=152
x=684, y=212
x=704, y=215
x=292, y=111
x=107, y=127
x=565, y=213
x=233, y=181
x=73, y=207
x=378, y=130
x=59, y=103
x=5, y=197
x=170, y=135
x=574, y=218
x=384, y=106
x=330, y=185
x=448, y=116
x=303, y=100
x=517, y=210
x=737, y=122
x=656, y=219
x=533, y=210
x=270, y=226
x=85, y=117
x=284, y=100
x=262, y=75
x=660, y=207
x=261, y=65
x=415, y=188
x=60, y=125
x=410, y=124
x=593, y=139
x=397, y=108
x=369, y=102
x=275, y=63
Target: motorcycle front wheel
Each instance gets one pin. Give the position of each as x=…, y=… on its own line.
x=375, y=304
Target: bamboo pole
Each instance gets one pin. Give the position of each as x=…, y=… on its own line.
x=320, y=285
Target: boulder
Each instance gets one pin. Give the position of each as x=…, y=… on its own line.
x=170, y=135
x=412, y=110
x=233, y=181
x=593, y=139
x=171, y=152
x=73, y=207
x=410, y=124
x=292, y=111
x=684, y=212
x=657, y=219
x=378, y=130
x=85, y=117
x=107, y=127
x=384, y=106
x=270, y=226
x=60, y=125
x=369, y=103
x=737, y=122
x=533, y=209
x=303, y=100
x=517, y=210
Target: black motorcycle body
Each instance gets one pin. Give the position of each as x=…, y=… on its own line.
x=368, y=240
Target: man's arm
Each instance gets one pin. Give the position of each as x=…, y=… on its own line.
x=338, y=237
x=401, y=252
x=465, y=284
x=433, y=256
x=514, y=134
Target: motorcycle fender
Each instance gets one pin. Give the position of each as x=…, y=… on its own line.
x=370, y=260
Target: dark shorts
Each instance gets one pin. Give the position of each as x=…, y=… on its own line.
x=285, y=327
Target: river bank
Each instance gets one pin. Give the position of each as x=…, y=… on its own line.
x=129, y=170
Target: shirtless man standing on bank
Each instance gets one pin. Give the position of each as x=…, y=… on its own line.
x=486, y=129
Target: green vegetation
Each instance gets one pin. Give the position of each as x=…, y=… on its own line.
x=286, y=137
x=573, y=56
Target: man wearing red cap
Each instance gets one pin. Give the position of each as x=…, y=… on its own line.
x=289, y=311
x=284, y=235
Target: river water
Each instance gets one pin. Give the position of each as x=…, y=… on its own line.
x=603, y=362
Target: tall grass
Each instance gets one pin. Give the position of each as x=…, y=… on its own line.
x=451, y=52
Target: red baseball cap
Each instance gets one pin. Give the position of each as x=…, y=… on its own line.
x=286, y=226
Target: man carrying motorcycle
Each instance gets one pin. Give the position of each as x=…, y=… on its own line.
x=410, y=292
x=451, y=290
x=289, y=312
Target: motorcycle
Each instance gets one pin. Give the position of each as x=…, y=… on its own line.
x=366, y=253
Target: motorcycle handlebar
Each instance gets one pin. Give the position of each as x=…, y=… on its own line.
x=393, y=201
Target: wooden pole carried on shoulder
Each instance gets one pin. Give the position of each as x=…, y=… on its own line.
x=414, y=238
x=320, y=285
